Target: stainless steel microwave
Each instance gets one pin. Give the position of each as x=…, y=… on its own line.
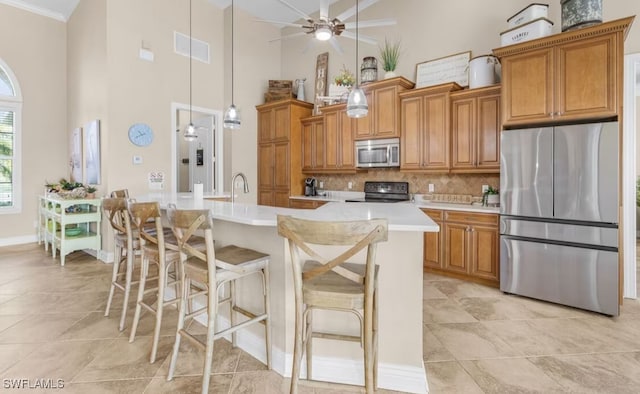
x=378, y=153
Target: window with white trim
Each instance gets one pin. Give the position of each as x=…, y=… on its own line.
x=10, y=153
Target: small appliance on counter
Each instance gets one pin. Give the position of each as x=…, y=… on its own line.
x=310, y=187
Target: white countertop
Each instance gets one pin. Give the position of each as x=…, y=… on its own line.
x=401, y=217
x=333, y=196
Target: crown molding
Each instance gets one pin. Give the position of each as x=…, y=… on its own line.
x=36, y=10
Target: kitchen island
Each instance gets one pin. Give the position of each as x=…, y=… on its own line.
x=400, y=287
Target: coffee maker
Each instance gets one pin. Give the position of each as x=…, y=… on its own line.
x=310, y=187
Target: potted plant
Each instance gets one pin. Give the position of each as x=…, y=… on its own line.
x=492, y=196
x=345, y=78
x=389, y=54
x=91, y=192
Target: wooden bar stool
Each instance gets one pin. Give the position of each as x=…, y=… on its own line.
x=334, y=284
x=211, y=269
x=125, y=245
x=161, y=248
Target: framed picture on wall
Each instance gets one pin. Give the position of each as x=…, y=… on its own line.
x=75, y=155
x=92, y=153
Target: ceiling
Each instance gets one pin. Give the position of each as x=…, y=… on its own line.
x=263, y=9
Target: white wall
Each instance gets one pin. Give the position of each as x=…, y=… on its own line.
x=34, y=47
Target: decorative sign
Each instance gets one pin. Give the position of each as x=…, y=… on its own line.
x=454, y=68
x=156, y=180
x=322, y=69
x=92, y=167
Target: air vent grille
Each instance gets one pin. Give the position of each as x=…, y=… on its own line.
x=199, y=49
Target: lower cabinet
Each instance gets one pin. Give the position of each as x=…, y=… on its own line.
x=305, y=204
x=466, y=247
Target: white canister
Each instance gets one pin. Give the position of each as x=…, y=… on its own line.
x=482, y=71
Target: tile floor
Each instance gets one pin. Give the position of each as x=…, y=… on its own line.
x=476, y=340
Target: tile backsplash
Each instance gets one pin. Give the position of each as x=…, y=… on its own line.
x=418, y=183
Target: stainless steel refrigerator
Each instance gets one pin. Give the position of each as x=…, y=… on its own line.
x=559, y=215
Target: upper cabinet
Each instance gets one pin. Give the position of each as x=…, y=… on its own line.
x=572, y=76
x=327, y=142
x=475, y=130
x=280, y=150
x=383, y=120
x=425, y=136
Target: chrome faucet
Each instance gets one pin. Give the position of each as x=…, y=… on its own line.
x=233, y=185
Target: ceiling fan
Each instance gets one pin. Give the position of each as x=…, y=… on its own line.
x=326, y=28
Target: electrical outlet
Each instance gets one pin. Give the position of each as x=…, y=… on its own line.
x=137, y=159
x=485, y=188
x=321, y=185
x=350, y=185
x=432, y=188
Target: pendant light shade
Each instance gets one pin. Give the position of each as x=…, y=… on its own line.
x=231, y=115
x=190, y=133
x=231, y=118
x=357, y=106
x=190, y=130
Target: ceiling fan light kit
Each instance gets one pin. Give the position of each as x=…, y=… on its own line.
x=323, y=33
x=325, y=28
x=357, y=106
x=231, y=118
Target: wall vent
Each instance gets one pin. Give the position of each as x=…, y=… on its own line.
x=199, y=49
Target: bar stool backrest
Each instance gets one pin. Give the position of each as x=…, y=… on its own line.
x=122, y=193
x=147, y=220
x=115, y=209
x=302, y=233
x=184, y=224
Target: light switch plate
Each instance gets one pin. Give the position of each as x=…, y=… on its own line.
x=485, y=188
x=432, y=188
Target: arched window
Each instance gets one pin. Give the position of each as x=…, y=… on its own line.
x=10, y=152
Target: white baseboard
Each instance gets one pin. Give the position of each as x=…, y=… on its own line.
x=102, y=255
x=25, y=239
x=327, y=369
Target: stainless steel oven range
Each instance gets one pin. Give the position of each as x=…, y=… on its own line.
x=384, y=192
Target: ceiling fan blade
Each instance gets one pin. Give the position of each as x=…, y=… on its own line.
x=352, y=11
x=281, y=23
x=324, y=10
x=371, y=23
x=291, y=7
x=302, y=33
x=336, y=45
x=361, y=37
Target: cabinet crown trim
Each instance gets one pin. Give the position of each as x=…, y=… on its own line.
x=619, y=25
x=284, y=102
x=436, y=89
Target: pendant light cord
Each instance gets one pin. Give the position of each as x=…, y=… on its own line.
x=357, y=45
x=190, y=69
x=232, y=29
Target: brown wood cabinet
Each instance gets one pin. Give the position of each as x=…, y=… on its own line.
x=475, y=130
x=280, y=150
x=327, y=142
x=383, y=120
x=313, y=140
x=305, y=204
x=424, y=128
x=466, y=247
x=567, y=77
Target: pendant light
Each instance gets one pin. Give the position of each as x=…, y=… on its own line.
x=190, y=131
x=231, y=115
x=357, y=106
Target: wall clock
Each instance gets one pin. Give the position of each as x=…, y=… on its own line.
x=140, y=134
